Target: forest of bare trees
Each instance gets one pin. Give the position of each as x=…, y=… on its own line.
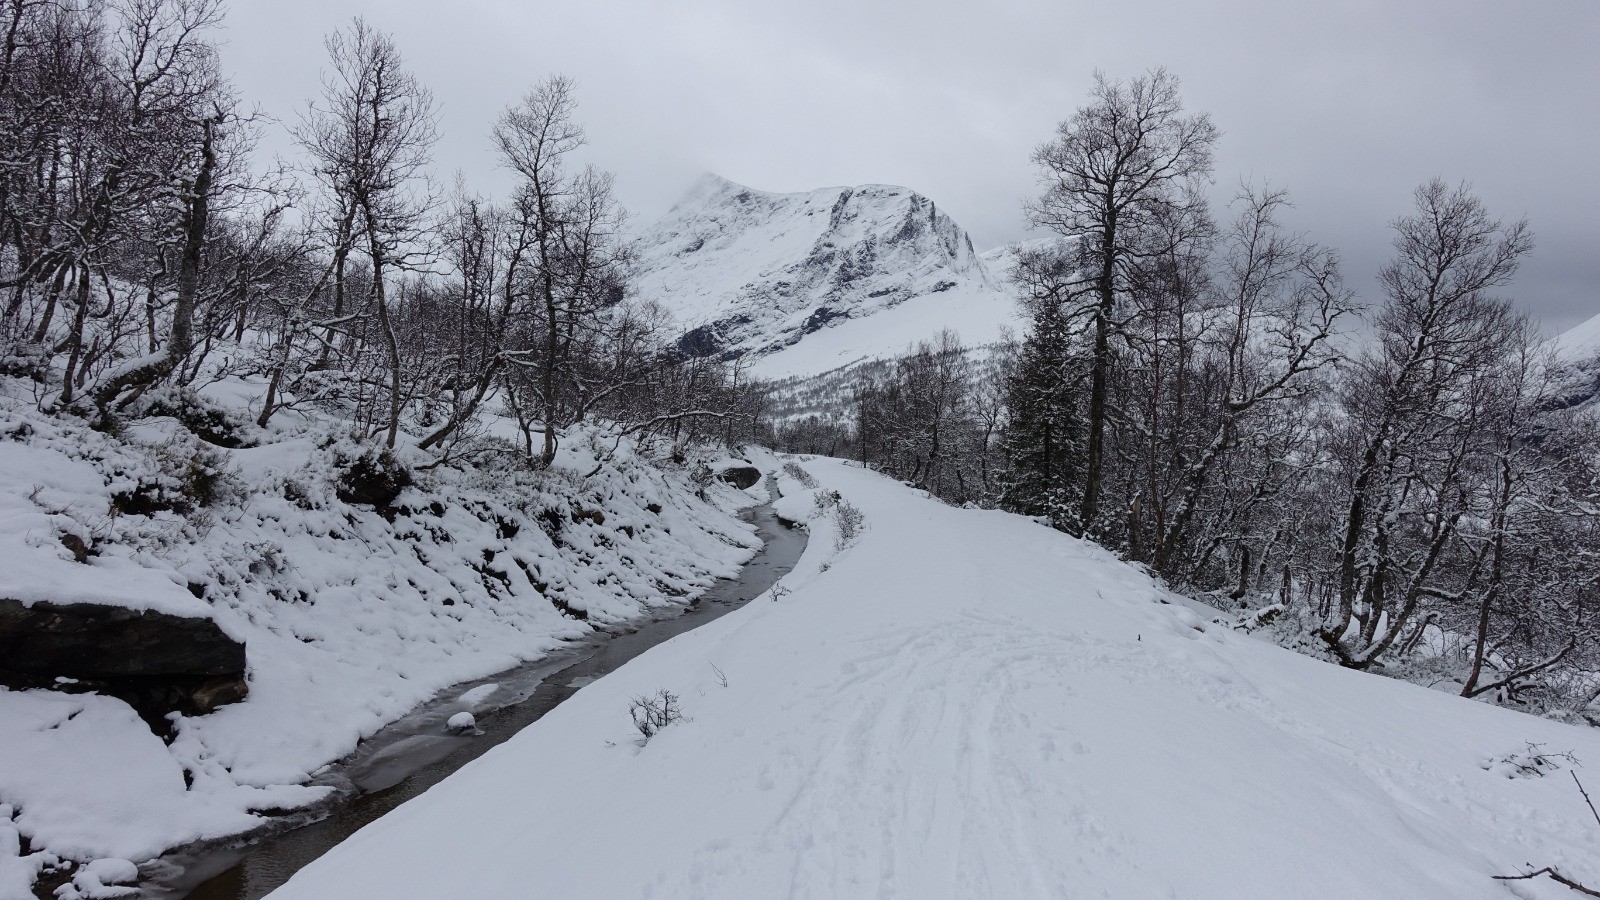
x=1385, y=476
x=1384, y=470
x=145, y=255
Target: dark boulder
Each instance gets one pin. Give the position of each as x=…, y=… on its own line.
x=157, y=662
x=740, y=477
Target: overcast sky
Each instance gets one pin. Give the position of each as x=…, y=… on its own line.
x=1348, y=104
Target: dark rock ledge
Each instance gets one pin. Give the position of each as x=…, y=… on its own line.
x=157, y=662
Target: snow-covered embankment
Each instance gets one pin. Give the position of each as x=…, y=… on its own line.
x=351, y=615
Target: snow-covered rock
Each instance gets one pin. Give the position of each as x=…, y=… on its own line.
x=845, y=273
x=102, y=879
x=462, y=723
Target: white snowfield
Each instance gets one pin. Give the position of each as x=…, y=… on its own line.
x=967, y=704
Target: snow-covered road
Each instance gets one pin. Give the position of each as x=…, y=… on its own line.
x=966, y=704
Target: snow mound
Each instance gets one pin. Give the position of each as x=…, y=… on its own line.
x=102, y=879
x=478, y=694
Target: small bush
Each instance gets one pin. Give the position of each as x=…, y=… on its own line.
x=702, y=476
x=207, y=476
x=204, y=418
x=369, y=475
x=1532, y=762
x=806, y=479
x=187, y=477
x=295, y=491
x=850, y=522
x=655, y=712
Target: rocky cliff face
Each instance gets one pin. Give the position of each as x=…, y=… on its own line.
x=751, y=272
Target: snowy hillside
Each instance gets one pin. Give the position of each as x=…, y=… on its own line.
x=967, y=704
x=1580, y=343
x=351, y=613
x=812, y=281
x=1577, y=351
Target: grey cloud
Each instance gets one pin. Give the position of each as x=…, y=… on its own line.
x=1348, y=105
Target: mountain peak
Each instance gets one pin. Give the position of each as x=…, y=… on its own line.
x=705, y=188
x=753, y=272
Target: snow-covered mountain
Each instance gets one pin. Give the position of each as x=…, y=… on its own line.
x=811, y=281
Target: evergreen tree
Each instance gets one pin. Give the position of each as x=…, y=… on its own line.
x=1044, y=437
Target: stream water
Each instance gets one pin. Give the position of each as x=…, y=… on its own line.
x=414, y=753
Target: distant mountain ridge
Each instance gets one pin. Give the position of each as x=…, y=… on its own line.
x=753, y=273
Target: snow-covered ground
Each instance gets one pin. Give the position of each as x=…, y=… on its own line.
x=965, y=704
x=351, y=617
x=978, y=317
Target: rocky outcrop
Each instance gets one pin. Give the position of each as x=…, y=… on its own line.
x=157, y=662
x=741, y=477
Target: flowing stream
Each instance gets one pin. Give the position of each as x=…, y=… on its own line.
x=416, y=752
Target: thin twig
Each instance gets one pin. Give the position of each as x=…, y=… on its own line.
x=1553, y=874
x=1585, y=795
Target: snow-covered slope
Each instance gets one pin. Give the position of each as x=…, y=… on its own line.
x=966, y=704
x=1580, y=343
x=1577, y=353
x=815, y=280
x=351, y=615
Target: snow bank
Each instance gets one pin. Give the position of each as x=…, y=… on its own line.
x=798, y=506
x=966, y=704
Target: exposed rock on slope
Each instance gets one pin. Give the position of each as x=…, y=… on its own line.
x=156, y=661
